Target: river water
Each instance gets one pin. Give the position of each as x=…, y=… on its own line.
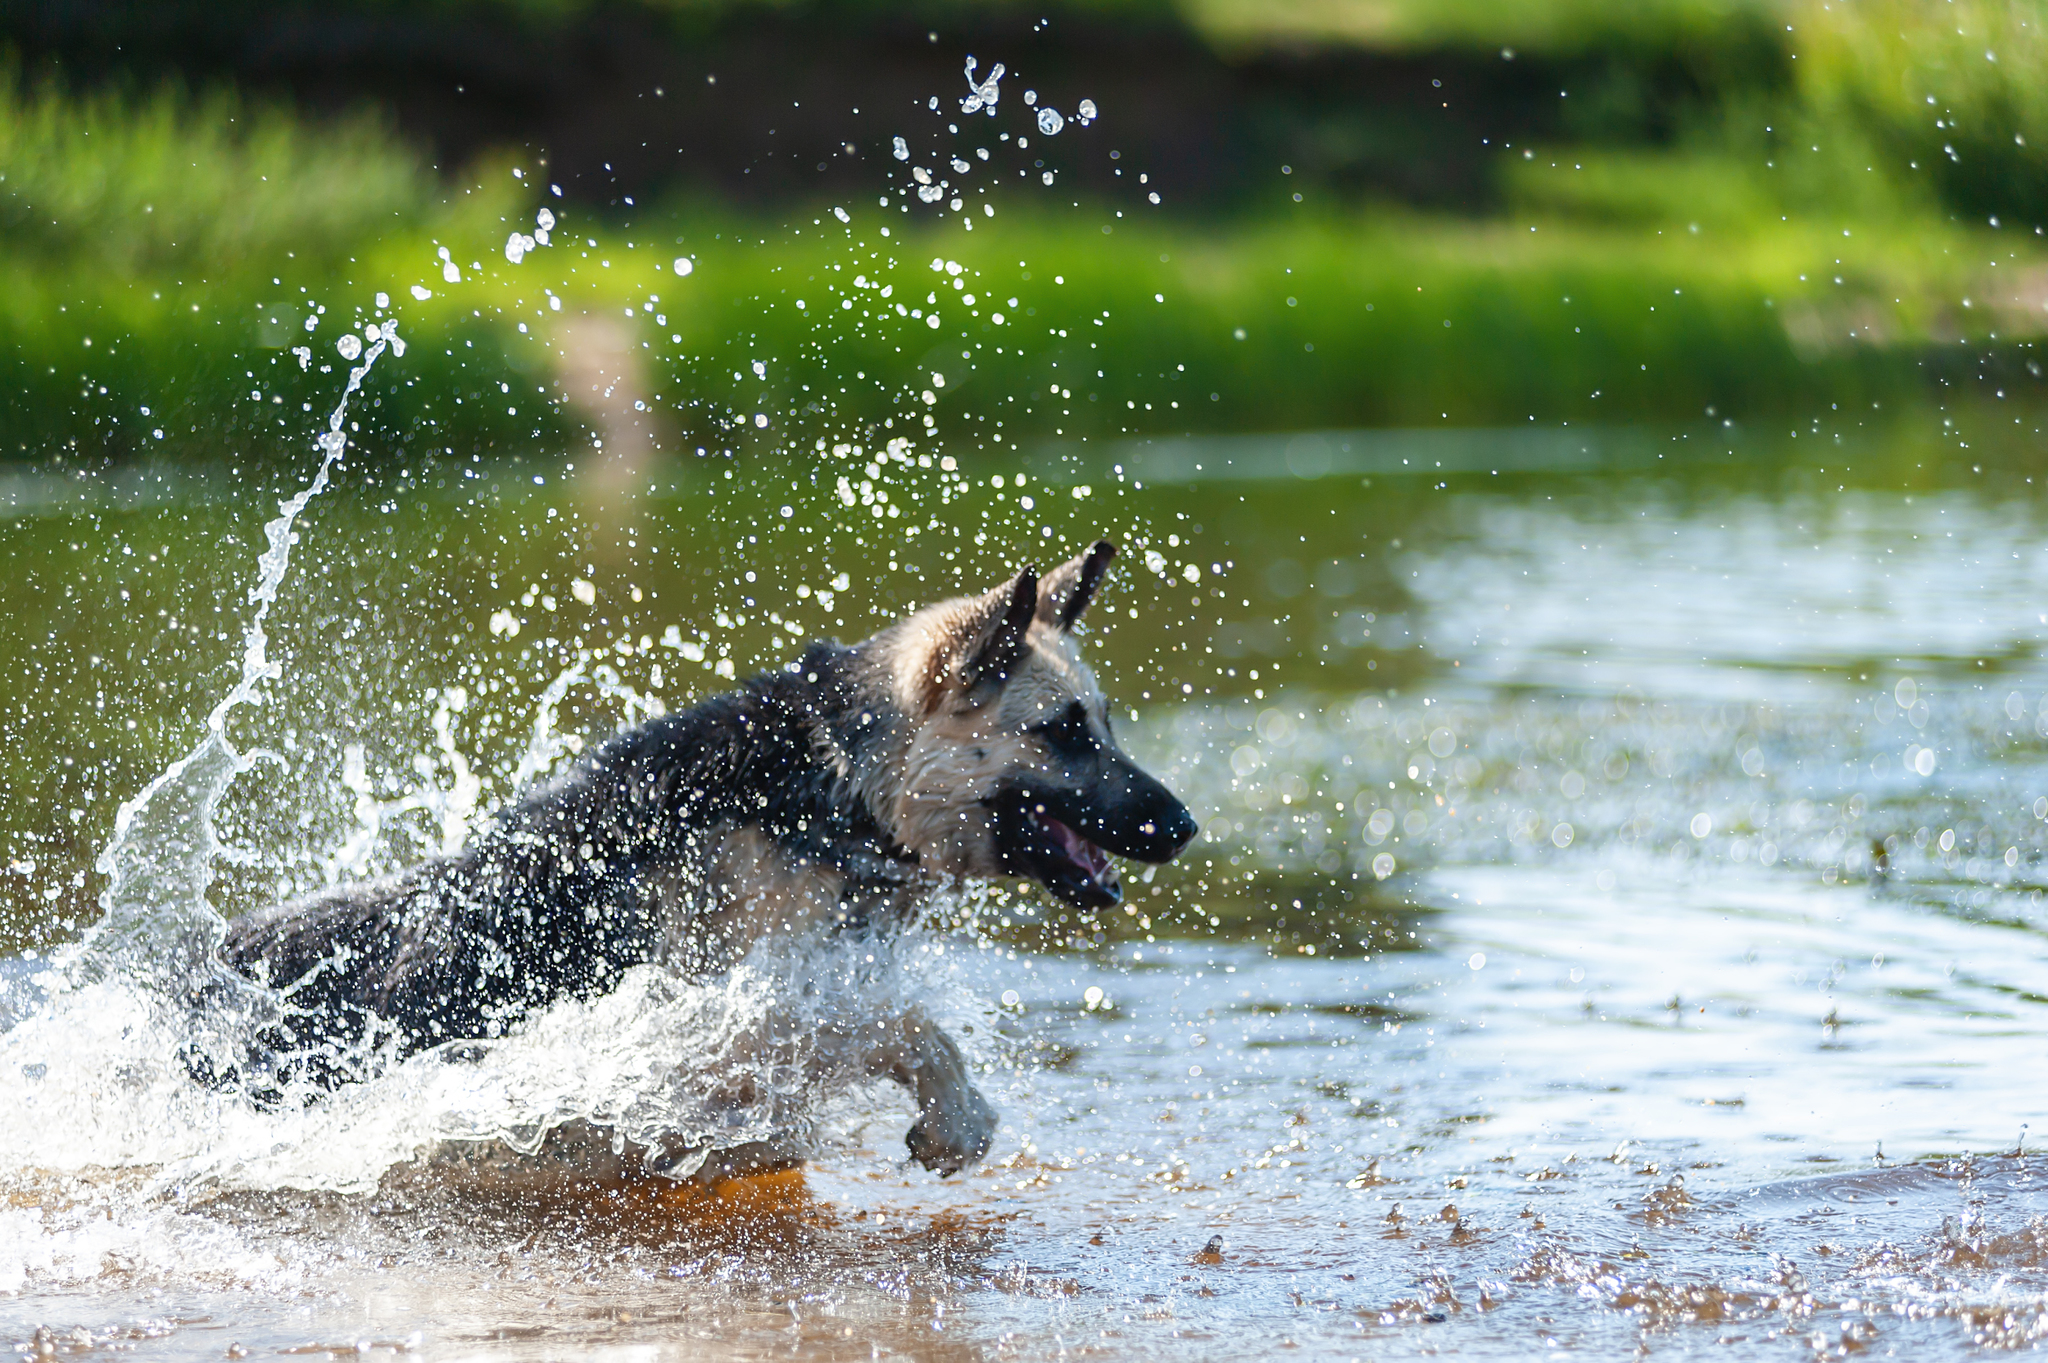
x=1616, y=927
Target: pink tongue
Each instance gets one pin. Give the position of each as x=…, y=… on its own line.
x=1086, y=854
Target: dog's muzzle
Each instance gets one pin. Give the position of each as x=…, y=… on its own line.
x=1063, y=838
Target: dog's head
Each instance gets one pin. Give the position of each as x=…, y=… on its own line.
x=1010, y=765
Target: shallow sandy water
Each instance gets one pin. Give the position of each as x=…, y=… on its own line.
x=1400, y=1156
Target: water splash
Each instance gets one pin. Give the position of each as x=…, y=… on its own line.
x=982, y=94
x=100, y=1049
x=159, y=864
x=769, y=1051
x=105, y=1041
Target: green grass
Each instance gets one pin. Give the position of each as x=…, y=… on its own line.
x=168, y=182
x=1564, y=311
x=158, y=251
x=1549, y=27
x=1951, y=91
x=1545, y=26
x=1738, y=273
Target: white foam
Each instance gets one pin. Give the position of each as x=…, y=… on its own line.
x=93, y=1078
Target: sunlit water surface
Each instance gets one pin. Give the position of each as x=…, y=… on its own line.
x=1616, y=925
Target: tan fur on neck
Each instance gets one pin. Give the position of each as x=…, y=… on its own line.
x=954, y=746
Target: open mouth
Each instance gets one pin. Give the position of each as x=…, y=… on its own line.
x=1082, y=858
x=1041, y=846
x=1038, y=835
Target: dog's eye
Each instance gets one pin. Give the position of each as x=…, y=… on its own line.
x=1068, y=733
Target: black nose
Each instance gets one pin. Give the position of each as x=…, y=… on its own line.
x=1174, y=828
x=1163, y=827
x=1133, y=815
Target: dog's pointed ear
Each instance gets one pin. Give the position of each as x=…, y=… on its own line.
x=1068, y=589
x=995, y=650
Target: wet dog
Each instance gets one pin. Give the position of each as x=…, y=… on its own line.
x=968, y=741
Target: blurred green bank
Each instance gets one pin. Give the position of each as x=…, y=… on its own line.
x=1848, y=213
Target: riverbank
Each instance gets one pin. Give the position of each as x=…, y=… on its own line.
x=1614, y=287
x=1370, y=318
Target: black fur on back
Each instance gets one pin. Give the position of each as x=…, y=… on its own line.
x=551, y=898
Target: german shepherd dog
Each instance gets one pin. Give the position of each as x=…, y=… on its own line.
x=967, y=741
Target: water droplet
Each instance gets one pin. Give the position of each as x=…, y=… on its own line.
x=902, y=150
x=1085, y=111
x=350, y=345
x=684, y=265
x=982, y=94
x=1049, y=121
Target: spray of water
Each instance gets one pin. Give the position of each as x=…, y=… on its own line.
x=100, y=1057
x=759, y=1052
x=159, y=862
x=769, y=1051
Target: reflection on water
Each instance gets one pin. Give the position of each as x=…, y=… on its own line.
x=1616, y=923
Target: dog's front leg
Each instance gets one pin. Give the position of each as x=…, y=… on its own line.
x=955, y=1125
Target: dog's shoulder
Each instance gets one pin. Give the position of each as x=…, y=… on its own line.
x=765, y=726
x=778, y=744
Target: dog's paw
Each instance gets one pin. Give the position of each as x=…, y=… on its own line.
x=948, y=1139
